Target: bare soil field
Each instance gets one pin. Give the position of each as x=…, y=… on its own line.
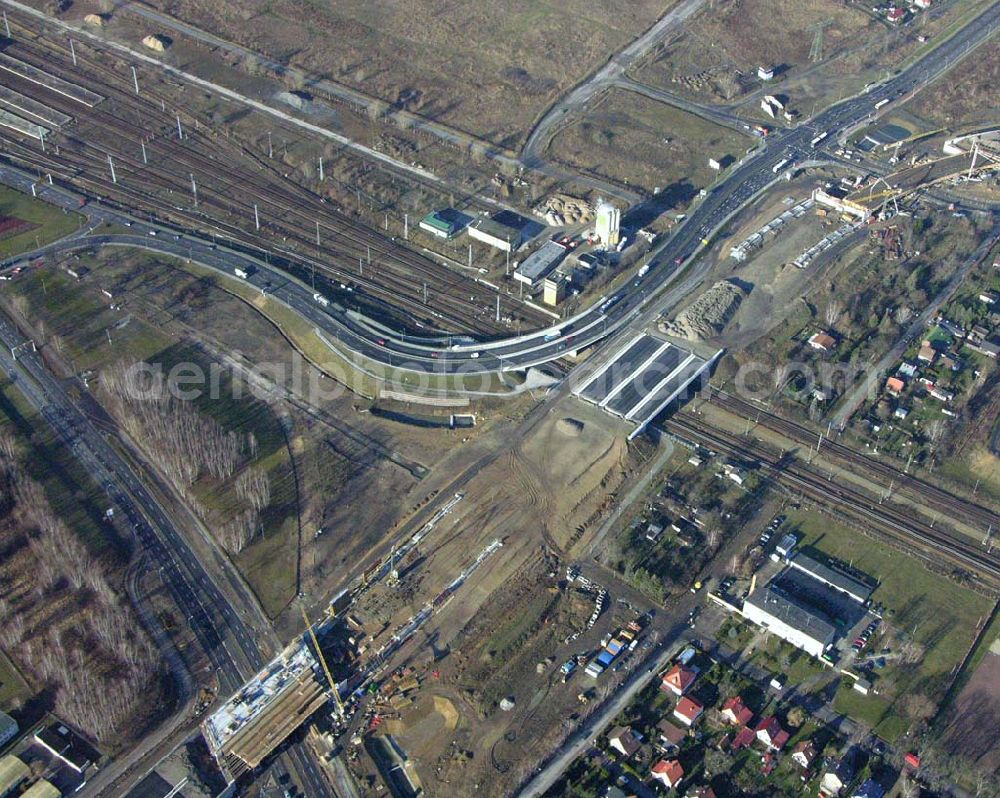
x=715, y=58
x=631, y=140
x=972, y=730
x=505, y=632
x=967, y=97
x=488, y=69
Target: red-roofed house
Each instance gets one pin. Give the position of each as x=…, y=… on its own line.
x=668, y=772
x=822, y=341
x=804, y=754
x=678, y=679
x=736, y=712
x=912, y=761
x=743, y=739
x=895, y=386
x=896, y=15
x=688, y=711
x=770, y=733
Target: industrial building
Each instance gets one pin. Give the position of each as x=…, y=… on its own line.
x=12, y=773
x=445, y=223
x=830, y=199
x=608, y=224
x=8, y=728
x=269, y=707
x=66, y=745
x=833, y=576
x=790, y=619
x=555, y=288
x=537, y=266
x=41, y=789
x=491, y=231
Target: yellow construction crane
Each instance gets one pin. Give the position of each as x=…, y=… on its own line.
x=322, y=662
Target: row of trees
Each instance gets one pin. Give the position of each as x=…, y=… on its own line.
x=60, y=619
x=189, y=445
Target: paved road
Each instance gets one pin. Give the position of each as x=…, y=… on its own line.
x=221, y=631
x=445, y=355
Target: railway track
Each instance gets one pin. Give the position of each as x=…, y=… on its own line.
x=230, y=181
x=892, y=478
x=893, y=522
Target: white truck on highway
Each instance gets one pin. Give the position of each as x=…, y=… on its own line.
x=816, y=141
x=243, y=272
x=322, y=300
x=781, y=165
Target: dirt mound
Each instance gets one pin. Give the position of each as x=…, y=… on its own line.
x=708, y=315
x=446, y=709
x=570, y=427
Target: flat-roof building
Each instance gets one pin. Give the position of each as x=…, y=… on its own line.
x=790, y=619
x=63, y=742
x=496, y=234
x=537, y=266
x=833, y=577
x=42, y=789
x=8, y=728
x=12, y=772
x=445, y=223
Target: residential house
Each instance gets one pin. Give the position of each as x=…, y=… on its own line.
x=907, y=369
x=624, y=741
x=896, y=15
x=736, y=712
x=922, y=4
x=678, y=679
x=688, y=711
x=770, y=733
x=834, y=781
x=988, y=348
x=804, y=754
x=988, y=297
x=912, y=761
x=668, y=772
x=870, y=789
x=941, y=394
x=927, y=353
x=743, y=739
x=901, y=413
x=671, y=735
x=895, y=386
x=822, y=342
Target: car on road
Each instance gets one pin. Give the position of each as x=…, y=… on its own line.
x=474, y=355
x=380, y=341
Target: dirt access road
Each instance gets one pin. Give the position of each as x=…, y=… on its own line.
x=602, y=79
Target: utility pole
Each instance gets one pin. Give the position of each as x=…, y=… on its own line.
x=180, y=132
x=6, y=25
x=72, y=51
x=194, y=190
x=361, y=266
x=143, y=145
x=321, y=169
x=369, y=254
x=425, y=293
x=387, y=221
x=470, y=256
x=498, y=308
x=41, y=136
x=406, y=226
x=270, y=146
x=135, y=80
x=317, y=232
x=111, y=163
x=256, y=217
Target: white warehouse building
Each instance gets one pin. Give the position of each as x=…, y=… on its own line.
x=791, y=620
